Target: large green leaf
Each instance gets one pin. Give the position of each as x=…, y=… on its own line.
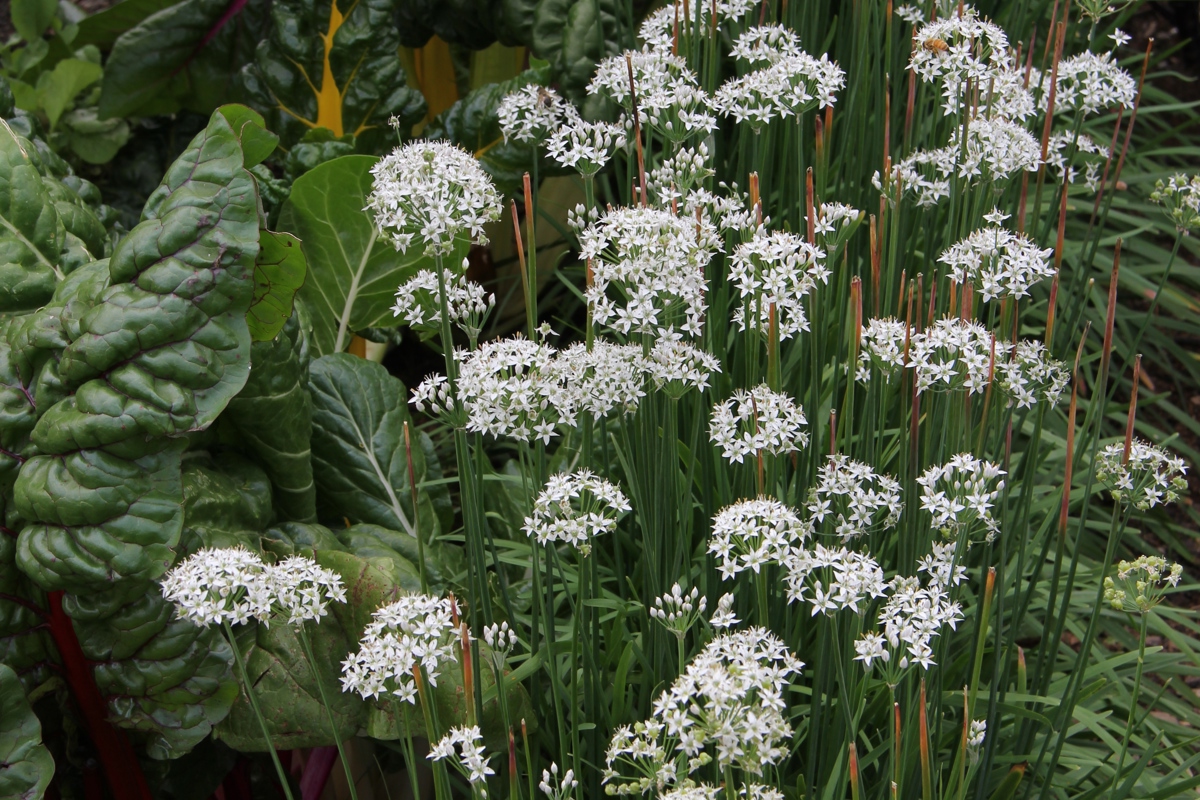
x=26, y=766
x=185, y=56
x=159, y=353
x=573, y=35
x=25, y=644
x=359, y=457
x=278, y=274
x=332, y=65
x=273, y=419
x=352, y=271
x=103, y=28
x=31, y=234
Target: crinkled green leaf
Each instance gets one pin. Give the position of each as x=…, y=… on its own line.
x=442, y=562
x=226, y=501
x=352, y=272
x=315, y=148
x=278, y=274
x=257, y=141
x=273, y=419
x=159, y=352
x=573, y=35
x=26, y=766
x=334, y=65
x=472, y=123
x=185, y=56
x=31, y=233
x=25, y=644
x=359, y=457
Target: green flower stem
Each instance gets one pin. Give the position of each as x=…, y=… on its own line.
x=441, y=781
x=1133, y=700
x=312, y=662
x=262, y=723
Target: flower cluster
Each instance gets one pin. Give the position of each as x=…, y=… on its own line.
x=554, y=788
x=1092, y=82
x=575, y=508
x=647, y=270
x=669, y=98
x=961, y=493
x=882, y=346
x=1181, y=197
x=1148, y=477
x=417, y=632
x=676, y=366
x=724, y=617
x=598, y=381
x=1028, y=374
x=432, y=193
x=532, y=113
x=681, y=174
x=955, y=49
x=1064, y=144
x=857, y=498
x=998, y=262
x=1140, y=584
x=834, y=224
x=585, y=146
x=469, y=759
x=303, y=589
x=910, y=618
x=418, y=302
x=749, y=534
x=677, y=611
x=775, y=270
x=220, y=586
x=757, y=421
x=658, y=29
x=840, y=578
x=729, y=698
x=501, y=638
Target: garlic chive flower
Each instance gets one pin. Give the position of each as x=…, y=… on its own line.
x=430, y=194
x=679, y=175
x=941, y=567
x=694, y=791
x=757, y=421
x=775, y=269
x=583, y=146
x=658, y=29
x=834, y=224
x=303, y=589
x=419, y=307
x=960, y=495
x=858, y=499
x=416, y=631
x=469, y=759
x=786, y=81
x=678, y=611
x=752, y=533
x=954, y=49
x=609, y=377
x=837, y=578
x=500, y=637
x=676, y=366
x=1120, y=38
x=1085, y=149
x=220, y=586
x=909, y=620
x=553, y=788
x=913, y=15
x=1180, y=197
x=724, y=617
x=881, y=348
x=1092, y=82
x=532, y=113
x=648, y=270
x=575, y=508
x=998, y=262
x=1140, y=584
x=669, y=97
x=1151, y=476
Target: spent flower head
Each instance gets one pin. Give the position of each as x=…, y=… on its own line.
x=757, y=421
x=1180, y=197
x=1150, y=476
x=575, y=508
x=415, y=633
x=1139, y=585
x=220, y=586
x=432, y=194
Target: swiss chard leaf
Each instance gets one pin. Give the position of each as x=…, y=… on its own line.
x=278, y=274
x=26, y=766
x=333, y=65
x=352, y=272
x=185, y=56
x=359, y=456
x=32, y=236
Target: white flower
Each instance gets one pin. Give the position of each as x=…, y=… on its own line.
x=910, y=618
x=977, y=731
x=220, y=586
x=775, y=269
x=585, y=146
x=1181, y=197
x=678, y=611
x=882, y=347
x=679, y=175
x=1092, y=82
x=751, y=533
x=676, y=366
x=1120, y=38
x=418, y=304
x=303, y=589
x=432, y=193
x=669, y=98
x=724, y=617
x=998, y=262
x=1140, y=584
x=961, y=493
x=1151, y=476
x=694, y=791
x=575, y=508
x=757, y=421
x=470, y=761
x=648, y=270
x=658, y=29
x=609, y=377
x=1083, y=148
x=786, y=82
x=531, y=113
x=834, y=224
x=857, y=498
x=838, y=578
x=416, y=631
x=956, y=48
x=555, y=789
x=500, y=638
x=913, y=15
x=940, y=565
